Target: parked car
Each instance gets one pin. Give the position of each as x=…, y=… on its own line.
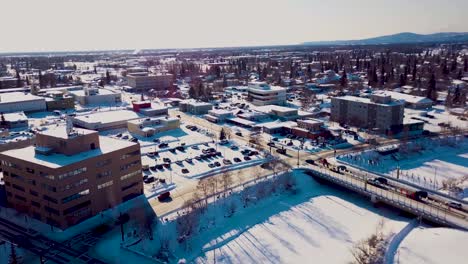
x=224, y=142
x=188, y=160
x=179, y=162
x=168, y=160
x=217, y=164
x=247, y=158
x=163, y=145
x=195, y=147
x=227, y=162
x=234, y=147
x=239, y=134
x=311, y=162
x=211, y=165
x=180, y=148
x=236, y=159
x=149, y=180
x=164, y=196
x=161, y=180
x=281, y=151
x=185, y=171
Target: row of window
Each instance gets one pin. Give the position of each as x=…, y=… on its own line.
x=130, y=154
x=72, y=173
x=129, y=165
x=75, y=196
x=73, y=185
x=104, y=185
x=130, y=175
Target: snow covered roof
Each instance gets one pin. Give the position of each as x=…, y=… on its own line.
x=18, y=97
x=13, y=117
x=406, y=97
x=108, y=116
x=107, y=145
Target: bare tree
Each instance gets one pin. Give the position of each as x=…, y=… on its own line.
x=226, y=181
x=372, y=249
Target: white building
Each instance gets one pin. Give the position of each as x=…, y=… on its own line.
x=18, y=101
x=411, y=101
x=105, y=120
x=96, y=96
x=261, y=93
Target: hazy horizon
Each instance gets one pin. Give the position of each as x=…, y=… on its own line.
x=53, y=25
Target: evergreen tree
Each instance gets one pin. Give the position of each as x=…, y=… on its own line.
x=222, y=134
x=108, y=77
x=465, y=64
x=41, y=81
x=344, y=79
x=431, y=89
x=192, y=92
x=459, y=75
x=18, y=79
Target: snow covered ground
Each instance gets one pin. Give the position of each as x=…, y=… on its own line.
x=430, y=164
x=433, y=246
x=318, y=224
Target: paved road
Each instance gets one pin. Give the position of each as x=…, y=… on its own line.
x=40, y=245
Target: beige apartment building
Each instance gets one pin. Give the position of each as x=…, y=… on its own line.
x=147, y=127
x=71, y=175
x=379, y=112
x=145, y=83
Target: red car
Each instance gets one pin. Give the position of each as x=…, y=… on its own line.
x=164, y=196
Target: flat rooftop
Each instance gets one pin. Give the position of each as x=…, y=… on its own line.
x=18, y=97
x=107, y=145
x=61, y=132
x=100, y=92
x=108, y=116
x=366, y=100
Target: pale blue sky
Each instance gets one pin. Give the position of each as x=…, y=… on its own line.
x=38, y=25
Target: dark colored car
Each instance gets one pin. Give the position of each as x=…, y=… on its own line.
x=236, y=159
x=163, y=145
x=239, y=134
x=247, y=158
x=149, y=179
x=164, y=196
x=311, y=162
x=217, y=164
x=185, y=171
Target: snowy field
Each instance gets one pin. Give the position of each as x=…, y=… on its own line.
x=426, y=245
x=428, y=162
x=318, y=222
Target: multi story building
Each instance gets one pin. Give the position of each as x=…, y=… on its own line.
x=261, y=93
x=195, y=107
x=71, y=175
x=96, y=96
x=378, y=112
x=147, y=127
x=156, y=82
x=20, y=101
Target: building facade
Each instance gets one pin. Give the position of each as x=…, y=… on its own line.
x=379, y=112
x=145, y=83
x=147, y=127
x=260, y=93
x=71, y=176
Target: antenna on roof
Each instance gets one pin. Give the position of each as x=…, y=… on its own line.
x=69, y=126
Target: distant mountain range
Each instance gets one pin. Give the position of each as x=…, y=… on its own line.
x=400, y=38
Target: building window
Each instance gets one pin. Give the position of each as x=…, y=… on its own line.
x=130, y=175
x=35, y=204
x=72, y=173
x=20, y=198
x=29, y=170
x=73, y=185
x=103, y=174
x=50, y=199
x=76, y=207
x=129, y=165
x=104, y=185
x=130, y=186
x=75, y=196
x=130, y=154
x=33, y=193
x=51, y=210
x=17, y=187
x=49, y=187
x=103, y=163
